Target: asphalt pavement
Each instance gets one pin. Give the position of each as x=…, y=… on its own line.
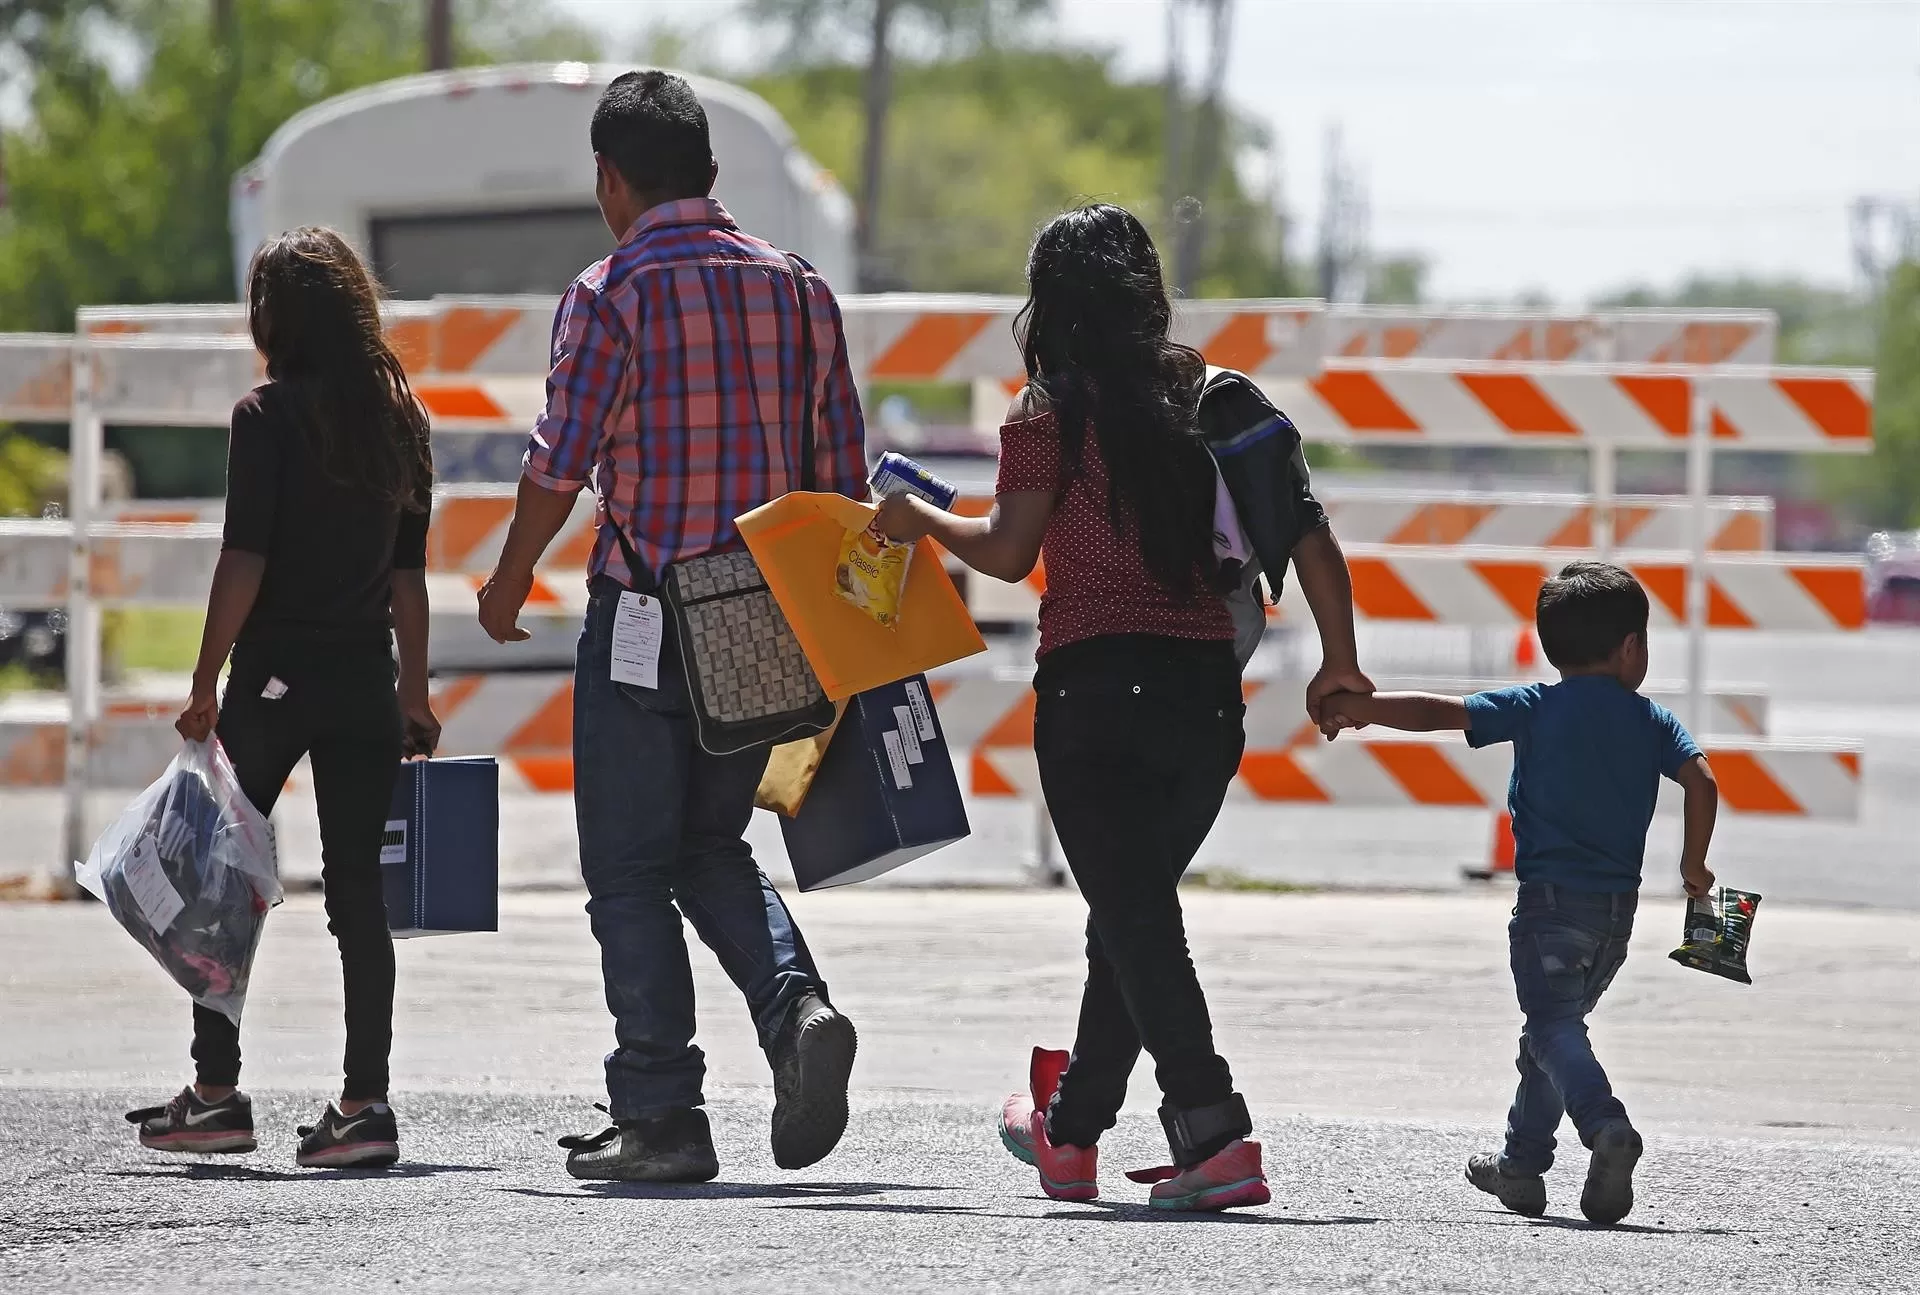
x=1372, y=1034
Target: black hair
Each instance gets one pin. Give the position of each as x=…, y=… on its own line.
x=1587, y=611
x=313, y=309
x=1094, y=334
x=651, y=127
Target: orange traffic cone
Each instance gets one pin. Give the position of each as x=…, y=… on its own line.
x=1499, y=855
x=1526, y=653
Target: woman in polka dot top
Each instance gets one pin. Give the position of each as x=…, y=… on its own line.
x=1138, y=726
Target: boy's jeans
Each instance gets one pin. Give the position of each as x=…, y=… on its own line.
x=1565, y=946
x=660, y=824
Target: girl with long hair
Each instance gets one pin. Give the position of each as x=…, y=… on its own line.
x=321, y=571
x=1138, y=720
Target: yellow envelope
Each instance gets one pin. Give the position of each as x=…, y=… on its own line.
x=796, y=541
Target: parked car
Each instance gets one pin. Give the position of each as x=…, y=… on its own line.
x=35, y=640
x=1893, y=578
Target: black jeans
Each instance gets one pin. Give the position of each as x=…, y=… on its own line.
x=1138, y=738
x=339, y=710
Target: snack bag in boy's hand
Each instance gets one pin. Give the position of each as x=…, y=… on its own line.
x=872, y=573
x=1718, y=926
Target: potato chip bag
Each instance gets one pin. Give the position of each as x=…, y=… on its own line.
x=872, y=572
x=1718, y=926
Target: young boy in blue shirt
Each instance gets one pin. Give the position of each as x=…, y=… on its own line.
x=1588, y=755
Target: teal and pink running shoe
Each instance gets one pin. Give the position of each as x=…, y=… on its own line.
x=1066, y=1173
x=1231, y=1178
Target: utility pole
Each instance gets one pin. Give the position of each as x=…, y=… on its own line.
x=1342, y=258
x=439, y=35
x=1194, y=137
x=873, y=153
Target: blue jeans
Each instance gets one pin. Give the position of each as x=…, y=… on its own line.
x=661, y=825
x=1566, y=946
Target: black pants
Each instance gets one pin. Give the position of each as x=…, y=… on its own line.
x=1137, y=738
x=339, y=710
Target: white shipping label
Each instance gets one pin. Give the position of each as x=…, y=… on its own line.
x=909, y=739
x=897, y=757
x=639, y=626
x=922, y=711
x=151, y=889
x=393, y=842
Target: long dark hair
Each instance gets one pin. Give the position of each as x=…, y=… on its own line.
x=1094, y=333
x=315, y=315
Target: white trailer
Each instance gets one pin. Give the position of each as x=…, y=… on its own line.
x=480, y=180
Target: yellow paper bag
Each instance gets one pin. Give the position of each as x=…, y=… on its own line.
x=796, y=540
x=790, y=770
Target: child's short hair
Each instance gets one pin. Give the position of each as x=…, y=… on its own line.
x=1587, y=611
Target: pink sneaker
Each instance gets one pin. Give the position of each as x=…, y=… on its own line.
x=1066, y=1173
x=1233, y=1177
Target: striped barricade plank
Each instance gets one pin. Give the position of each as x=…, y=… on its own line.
x=1619, y=337
x=1799, y=780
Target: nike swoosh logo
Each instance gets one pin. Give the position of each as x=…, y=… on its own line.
x=341, y=1130
x=203, y=1116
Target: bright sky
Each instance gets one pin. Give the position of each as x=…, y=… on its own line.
x=1564, y=146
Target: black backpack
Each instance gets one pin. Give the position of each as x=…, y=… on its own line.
x=1256, y=449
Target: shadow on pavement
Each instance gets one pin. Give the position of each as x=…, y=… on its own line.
x=1103, y=1212
x=723, y=1191
x=243, y=1173
x=1502, y=1218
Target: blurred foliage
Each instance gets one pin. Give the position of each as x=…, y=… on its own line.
x=811, y=28
x=1399, y=280
x=1883, y=489
x=31, y=475
x=984, y=148
x=139, y=113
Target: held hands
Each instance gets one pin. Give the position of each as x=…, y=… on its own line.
x=501, y=599
x=903, y=518
x=1323, y=702
x=1697, y=878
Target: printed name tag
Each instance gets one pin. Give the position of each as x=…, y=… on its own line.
x=909, y=739
x=897, y=758
x=922, y=711
x=393, y=842
x=639, y=626
x=148, y=881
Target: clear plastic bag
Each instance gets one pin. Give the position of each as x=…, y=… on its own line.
x=189, y=869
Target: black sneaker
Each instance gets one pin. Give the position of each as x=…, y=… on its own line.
x=187, y=1124
x=365, y=1140
x=675, y=1147
x=1608, y=1196
x=1522, y=1193
x=811, y=1064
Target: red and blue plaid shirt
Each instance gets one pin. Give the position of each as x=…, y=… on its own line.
x=677, y=388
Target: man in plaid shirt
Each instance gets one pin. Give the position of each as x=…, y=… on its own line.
x=677, y=393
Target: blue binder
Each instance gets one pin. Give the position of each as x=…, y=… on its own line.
x=885, y=793
x=440, y=857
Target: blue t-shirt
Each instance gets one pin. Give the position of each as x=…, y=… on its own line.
x=1588, y=756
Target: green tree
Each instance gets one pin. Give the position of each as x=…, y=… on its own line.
x=986, y=146
x=118, y=186
x=808, y=22
x=1883, y=489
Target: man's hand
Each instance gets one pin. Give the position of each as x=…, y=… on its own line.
x=1334, y=677
x=197, y=721
x=501, y=599
x=1698, y=878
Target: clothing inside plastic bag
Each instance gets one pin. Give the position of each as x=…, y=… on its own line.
x=1718, y=926
x=189, y=869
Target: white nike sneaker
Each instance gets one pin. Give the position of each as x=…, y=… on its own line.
x=365, y=1140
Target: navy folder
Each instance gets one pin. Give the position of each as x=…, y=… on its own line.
x=885, y=793
x=440, y=857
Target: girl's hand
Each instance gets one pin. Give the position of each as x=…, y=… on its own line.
x=903, y=518
x=419, y=726
x=196, y=722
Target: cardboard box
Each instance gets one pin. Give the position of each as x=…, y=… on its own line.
x=886, y=792
x=440, y=857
